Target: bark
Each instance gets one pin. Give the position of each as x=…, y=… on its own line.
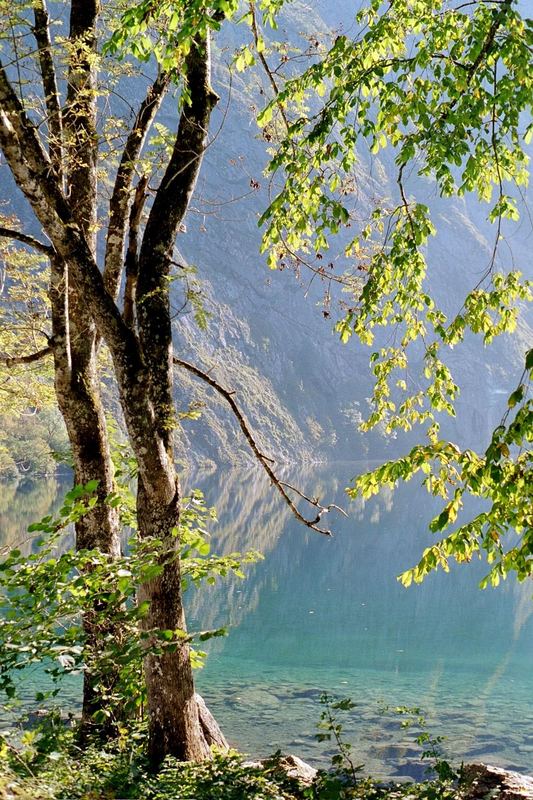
x=168, y=210
x=30, y=166
x=31, y=358
x=31, y=241
x=120, y=202
x=80, y=117
x=51, y=92
x=76, y=367
x=78, y=399
x=174, y=725
x=132, y=254
x=76, y=376
x=210, y=727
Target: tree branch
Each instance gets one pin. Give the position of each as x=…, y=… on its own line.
x=31, y=169
x=59, y=307
x=166, y=214
x=264, y=62
x=8, y=233
x=12, y=361
x=79, y=117
x=120, y=202
x=132, y=254
x=41, y=31
x=499, y=12
x=264, y=460
x=498, y=19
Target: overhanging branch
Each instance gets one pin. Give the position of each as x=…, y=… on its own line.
x=263, y=459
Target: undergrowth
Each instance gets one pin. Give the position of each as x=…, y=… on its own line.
x=49, y=765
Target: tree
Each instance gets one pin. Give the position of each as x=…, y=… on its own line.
x=53, y=146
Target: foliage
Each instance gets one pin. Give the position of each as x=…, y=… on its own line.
x=344, y=775
x=330, y=728
x=447, y=88
x=502, y=477
x=45, y=595
x=431, y=745
x=120, y=771
x=24, y=328
x=225, y=778
x=344, y=779
x=32, y=443
x=166, y=30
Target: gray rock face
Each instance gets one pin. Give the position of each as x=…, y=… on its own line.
x=484, y=782
x=302, y=392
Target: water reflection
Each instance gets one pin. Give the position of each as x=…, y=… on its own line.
x=23, y=503
x=328, y=614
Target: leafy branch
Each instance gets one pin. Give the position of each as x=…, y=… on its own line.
x=502, y=476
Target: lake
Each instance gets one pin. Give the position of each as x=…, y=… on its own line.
x=328, y=615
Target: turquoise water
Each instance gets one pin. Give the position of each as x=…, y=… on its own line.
x=324, y=614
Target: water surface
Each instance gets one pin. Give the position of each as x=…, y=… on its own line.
x=322, y=614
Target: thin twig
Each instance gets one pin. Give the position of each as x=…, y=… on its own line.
x=264, y=62
x=313, y=501
x=119, y=204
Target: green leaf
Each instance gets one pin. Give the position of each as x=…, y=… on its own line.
x=516, y=397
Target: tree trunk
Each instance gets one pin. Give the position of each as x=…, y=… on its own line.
x=174, y=725
x=78, y=398
x=210, y=727
x=76, y=377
